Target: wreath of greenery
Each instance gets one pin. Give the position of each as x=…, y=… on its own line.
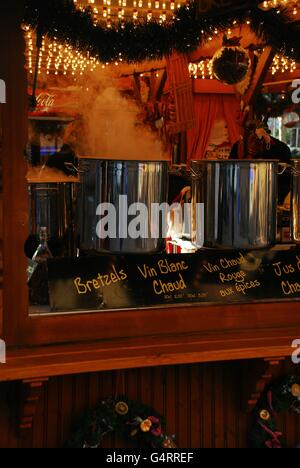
x=130, y=419
x=279, y=397
x=135, y=41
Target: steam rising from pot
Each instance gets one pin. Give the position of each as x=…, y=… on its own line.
x=111, y=129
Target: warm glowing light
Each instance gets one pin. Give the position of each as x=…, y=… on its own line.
x=201, y=70
x=282, y=64
x=55, y=58
x=291, y=5
x=161, y=10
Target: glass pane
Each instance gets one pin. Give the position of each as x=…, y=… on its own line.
x=52, y=174
x=90, y=143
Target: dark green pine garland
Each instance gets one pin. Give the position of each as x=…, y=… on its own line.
x=135, y=42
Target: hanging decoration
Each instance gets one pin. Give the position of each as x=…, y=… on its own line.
x=129, y=419
x=202, y=69
x=280, y=397
x=231, y=63
x=135, y=41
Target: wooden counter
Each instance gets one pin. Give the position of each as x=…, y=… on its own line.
x=173, y=336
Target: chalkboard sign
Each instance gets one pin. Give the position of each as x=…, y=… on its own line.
x=107, y=282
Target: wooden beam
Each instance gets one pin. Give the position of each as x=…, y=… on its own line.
x=153, y=81
x=137, y=87
x=260, y=74
x=160, y=84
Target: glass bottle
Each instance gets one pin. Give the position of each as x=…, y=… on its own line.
x=42, y=253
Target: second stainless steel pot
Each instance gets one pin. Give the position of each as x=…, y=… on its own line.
x=240, y=202
x=104, y=181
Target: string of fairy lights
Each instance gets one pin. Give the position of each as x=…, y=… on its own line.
x=291, y=5
x=203, y=69
x=107, y=11
x=110, y=10
x=283, y=65
x=58, y=59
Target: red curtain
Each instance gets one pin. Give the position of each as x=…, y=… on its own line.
x=208, y=108
x=231, y=110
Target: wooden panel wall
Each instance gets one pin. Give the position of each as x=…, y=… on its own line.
x=204, y=404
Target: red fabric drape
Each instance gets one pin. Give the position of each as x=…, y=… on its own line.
x=208, y=108
x=231, y=114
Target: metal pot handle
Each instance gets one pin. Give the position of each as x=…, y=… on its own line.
x=287, y=166
x=73, y=167
x=196, y=175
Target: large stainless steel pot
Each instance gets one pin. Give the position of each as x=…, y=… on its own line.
x=53, y=205
x=240, y=202
x=295, y=200
x=104, y=181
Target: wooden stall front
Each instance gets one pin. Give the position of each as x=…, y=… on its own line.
x=204, y=366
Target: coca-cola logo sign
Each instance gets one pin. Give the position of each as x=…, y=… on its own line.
x=2, y=92
x=45, y=100
x=58, y=102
